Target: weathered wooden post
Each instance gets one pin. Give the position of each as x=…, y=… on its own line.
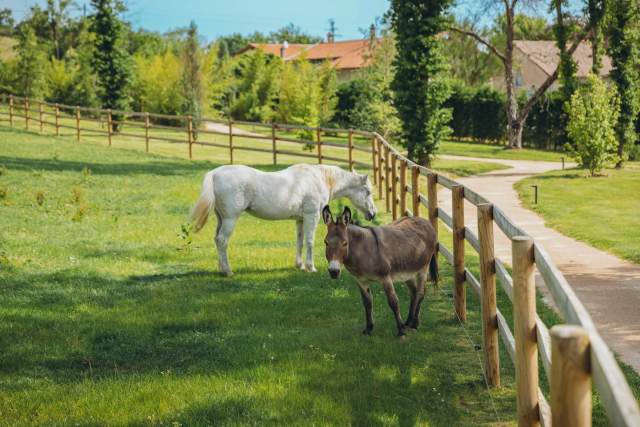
x=26, y=113
x=457, y=213
x=432, y=200
x=394, y=186
x=273, y=144
x=109, y=126
x=318, y=132
x=524, y=323
x=77, y=123
x=11, y=110
x=374, y=151
x=570, y=377
x=381, y=182
x=387, y=177
x=57, y=112
x=403, y=187
x=488, y=295
x=415, y=190
x=190, y=135
x=350, y=148
x=230, y=140
x=40, y=112
x=147, y=123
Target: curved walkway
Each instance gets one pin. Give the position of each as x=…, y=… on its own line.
x=608, y=286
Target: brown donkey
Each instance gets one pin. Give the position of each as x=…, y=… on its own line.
x=403, y=250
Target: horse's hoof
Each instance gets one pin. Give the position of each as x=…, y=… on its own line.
x=311, y=269
x=402, y=332
x=367, y=331
x=227, y=273
x=299, y=265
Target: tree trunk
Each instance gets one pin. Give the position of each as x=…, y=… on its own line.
x=514, y=125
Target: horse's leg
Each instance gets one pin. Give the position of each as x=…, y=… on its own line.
x=310, y=223
x=299, y=237
x=367, y=302
x=411, y=285
x=420, y=290
x=225, y=228
x=392, y=299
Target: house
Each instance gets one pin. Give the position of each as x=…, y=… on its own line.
x=347, y=56
x=534, y=61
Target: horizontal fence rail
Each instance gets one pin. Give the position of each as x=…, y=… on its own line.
x=571, y=355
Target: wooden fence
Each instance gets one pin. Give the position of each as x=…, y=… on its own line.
x=572, y=355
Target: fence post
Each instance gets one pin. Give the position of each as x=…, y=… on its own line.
x=77, y=123
x=11, y=110
x=40, y=116
x=190, y=135
x=381, y=182
x=230, y=140
x=488, y=295
x=457, y=214
x=374, y=150
x=57, y=107
x=432, y=199
x=110, y=125
x=273, y=144
x=387, y=177
x=570, y=376
x=415, y=190
x=26, y=113
x=403, y=187
x=524, y=323
x=146, y=132
x=394, y=186
x=351, y=150
x=318, y=131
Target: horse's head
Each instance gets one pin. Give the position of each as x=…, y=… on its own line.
x=361, y=194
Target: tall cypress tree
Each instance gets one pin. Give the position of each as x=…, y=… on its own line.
x=111, y=61
x=567, y=64
x=192, y=76
x=624, y=49
x=419, y=92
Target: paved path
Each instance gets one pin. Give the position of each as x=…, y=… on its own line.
x=608, y=286
x=223, y=128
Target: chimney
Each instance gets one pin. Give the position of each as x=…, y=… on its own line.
x=283, y=49
x=330, y=37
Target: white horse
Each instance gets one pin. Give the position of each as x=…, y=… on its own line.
x=298, y=192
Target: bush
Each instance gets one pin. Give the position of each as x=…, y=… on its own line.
x=478, y=114
x=593, y=113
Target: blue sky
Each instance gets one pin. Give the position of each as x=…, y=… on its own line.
x=220, y=17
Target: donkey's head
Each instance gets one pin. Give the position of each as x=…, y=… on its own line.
x=337, y=240
x=360, y=193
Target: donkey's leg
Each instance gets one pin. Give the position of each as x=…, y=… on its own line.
x=392, y=299
x=420, y=290
x=367, y=302
x=299, y=237
x=225, y=228
x=411, y=286
x=310, y=223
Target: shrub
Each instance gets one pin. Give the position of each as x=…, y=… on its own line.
x=593, y=114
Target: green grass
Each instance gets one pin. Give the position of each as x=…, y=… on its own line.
x=477, y=149
x=108, y=316
x=602, y=211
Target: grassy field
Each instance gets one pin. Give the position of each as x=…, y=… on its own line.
x=109, y=316
x=602, y=211
x=477, y=149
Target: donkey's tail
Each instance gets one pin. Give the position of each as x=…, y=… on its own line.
x=433, y=269
x=206, y=202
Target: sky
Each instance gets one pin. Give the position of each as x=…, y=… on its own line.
x=220, y=17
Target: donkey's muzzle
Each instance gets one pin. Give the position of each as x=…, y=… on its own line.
x=369, y=216
x=334, y=273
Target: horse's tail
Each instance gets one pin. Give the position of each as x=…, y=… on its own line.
x=433, y=268
x=206, y=202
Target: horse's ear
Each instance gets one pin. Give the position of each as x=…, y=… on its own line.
x=326, y=215
x=345, y=218
x=364, y=178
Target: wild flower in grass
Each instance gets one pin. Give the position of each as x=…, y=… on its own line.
x=40, y=197
x=186, y=236
x=76, y=196
x=79, y=213
x=3, y=193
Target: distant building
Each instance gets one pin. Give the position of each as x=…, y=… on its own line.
x=534, y=61
x=346, y=56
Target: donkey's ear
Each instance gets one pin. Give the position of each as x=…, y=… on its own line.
x=364, y=178
x=345, y=218
x=326, y=215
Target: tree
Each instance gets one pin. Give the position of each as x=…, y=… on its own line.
x=6, y=22
x=299, y=95
x=516, y=116
x=292, y=34
x=31, y=66
x=418, y=89
x=327, y=86
x=593, y=114
x=256, y=86
x=596, y=13
x=567, y=64
x=192, y=76
x=111, y=61
x=57, y=16
x=624, y=49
